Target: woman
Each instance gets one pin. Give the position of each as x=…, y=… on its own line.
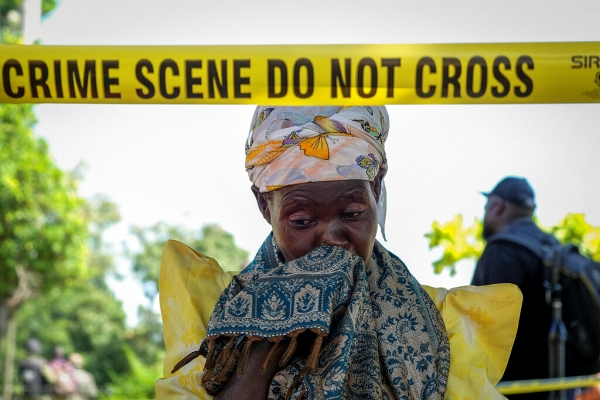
x=323, y=310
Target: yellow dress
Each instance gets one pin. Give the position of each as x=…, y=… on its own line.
x=481, y=322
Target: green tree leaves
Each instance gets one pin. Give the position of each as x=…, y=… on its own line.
x=43, y=228
x=575, y=229
x=82, y=318
x=212, y=241
x=458, y=242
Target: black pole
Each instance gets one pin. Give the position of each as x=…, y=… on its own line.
x=558, y=332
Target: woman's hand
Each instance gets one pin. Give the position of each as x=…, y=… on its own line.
x=253, y=384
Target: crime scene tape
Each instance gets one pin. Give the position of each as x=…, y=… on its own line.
x=547, y=385
x=481, y=73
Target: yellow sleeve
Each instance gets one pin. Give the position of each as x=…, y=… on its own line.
x=481, y=322
x=189, y=286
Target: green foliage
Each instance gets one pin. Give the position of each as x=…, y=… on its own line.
x=11, y=28
x=84, y=319
x=137, y=385
x=87, y=318
x=220, y=245
x=575, y=229
x=101, y=214
x=43, y=228
x=212, y=241
x=48, y=6
x=457, y=241
x=146, y=339
x=9, y=5
x=466, y=243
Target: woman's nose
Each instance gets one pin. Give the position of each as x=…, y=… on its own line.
x=333, y=234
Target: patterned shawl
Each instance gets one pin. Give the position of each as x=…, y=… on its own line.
x=377, y=333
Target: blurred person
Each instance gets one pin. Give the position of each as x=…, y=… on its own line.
x=66, y=384
x=510, y=207
x=86, y=384
x=36, y=375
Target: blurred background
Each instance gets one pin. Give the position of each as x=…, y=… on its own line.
x=90, y=193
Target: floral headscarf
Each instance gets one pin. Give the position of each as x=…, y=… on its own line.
x=293, y=145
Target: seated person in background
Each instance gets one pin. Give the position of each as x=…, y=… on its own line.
x=323, y=310
x=86, y=384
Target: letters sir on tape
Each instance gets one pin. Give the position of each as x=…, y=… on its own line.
x=482, y=73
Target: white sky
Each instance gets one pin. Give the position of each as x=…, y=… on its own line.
x=184, y=164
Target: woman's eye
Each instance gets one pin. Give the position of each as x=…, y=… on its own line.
x=301, y=222
x=351, y=215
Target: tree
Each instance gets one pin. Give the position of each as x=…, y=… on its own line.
x=42, y=232
x=43, y=229
x=101, y=213
x=84, y=317
x=8, y=5
x=212, y=240
x=466, y=243
x=147, y=339
x=10, y=18
x=139, y=384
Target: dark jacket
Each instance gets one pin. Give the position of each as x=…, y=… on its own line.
x=506, y=262
x=33, y=371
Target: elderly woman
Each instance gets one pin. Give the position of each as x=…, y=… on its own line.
x=323, y=310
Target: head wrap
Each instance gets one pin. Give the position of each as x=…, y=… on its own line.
x=293, y=145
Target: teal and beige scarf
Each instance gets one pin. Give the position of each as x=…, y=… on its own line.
x=377, y=334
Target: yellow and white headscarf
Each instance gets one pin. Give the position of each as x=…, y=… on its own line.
x=294, y=145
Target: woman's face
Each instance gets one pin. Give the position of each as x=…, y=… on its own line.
x=310, y=215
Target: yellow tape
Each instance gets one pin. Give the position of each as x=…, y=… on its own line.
x=547, y=385
x=483, y=73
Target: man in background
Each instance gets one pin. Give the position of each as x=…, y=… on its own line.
x=36, y=375
x=510, y=208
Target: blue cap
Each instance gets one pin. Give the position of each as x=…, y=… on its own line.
x=515, y=190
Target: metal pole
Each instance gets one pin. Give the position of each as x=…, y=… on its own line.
x=558, y=332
